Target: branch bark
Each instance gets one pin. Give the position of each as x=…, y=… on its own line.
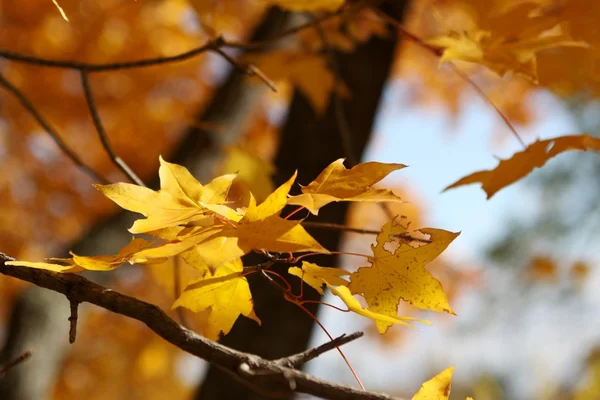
x=270, y=376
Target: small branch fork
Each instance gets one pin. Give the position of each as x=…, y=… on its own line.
x=215, y=45
x=269, y=375
x=13, y=363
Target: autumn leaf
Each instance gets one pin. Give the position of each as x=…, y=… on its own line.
x=501, y=54
x=263, y=229
x=317, y=276
x=307, y=5
x=522, y=163
x=91, y=263
x=226, y=294
x=336, y=183
x=437, y=388
x=353, y=305
x=160, y=208
x=402, y=274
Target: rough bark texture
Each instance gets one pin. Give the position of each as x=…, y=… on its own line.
x=39, y=320
x=308, y=144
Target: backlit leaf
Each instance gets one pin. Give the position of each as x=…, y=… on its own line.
x=226, y=294
x=402, y=274
x=336, y=183
x=353, y=305
x=437, y=388
x=263, y=229
x=522, y=163
x=317, y=276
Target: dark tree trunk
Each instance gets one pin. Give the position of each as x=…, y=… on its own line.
x=308, y=144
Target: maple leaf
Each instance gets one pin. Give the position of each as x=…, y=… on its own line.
x=402, y=274
x=262, y=228
x=226, y=295
x=522, y=163
x=437, y=388
x=307, y=5
x=336, y=183
x=317, y=276
x=306, y=71
x=181, y=200
x=91, y=263
x=353, y=305
x=501, y=54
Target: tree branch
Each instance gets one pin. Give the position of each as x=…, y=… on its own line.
x=273, y=374
x=28, y=105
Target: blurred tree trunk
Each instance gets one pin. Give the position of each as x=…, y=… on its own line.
x=39, y=319
x=308, y=144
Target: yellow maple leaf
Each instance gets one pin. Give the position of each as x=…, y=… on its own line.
x=502, y=54
x=317, y=276
x=254, y=171
x=336, y=183
x=175, y=247
x=91, y=263
x=522, y=163
x=181, y=200
x=160, y=208
x=402, y=274
x=226, y=294
x=353, y=305
x=263, y=229
x=307, y=5
x=179, y=182
x=306, y=71
x=437, y=388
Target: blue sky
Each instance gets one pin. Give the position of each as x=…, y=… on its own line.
x=532, y=345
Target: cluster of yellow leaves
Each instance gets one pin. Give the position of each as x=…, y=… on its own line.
x=522, y=163
x=197, y=222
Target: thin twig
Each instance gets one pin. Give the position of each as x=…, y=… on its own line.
x=251, y=70
x=82, y=290
x=339, y=227
x=299, y=359
x=438, y=53
x=119, y=163
x=11, y=364
x=213, y=44
x=74, y=306
x=31, y=109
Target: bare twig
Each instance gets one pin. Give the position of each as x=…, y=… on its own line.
x=28, y=105
x=11, y=364
x=74, y=305
x=299, y=359
x=89, y=97
x=339, y=227
x=278, y=377
x=210, y=45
